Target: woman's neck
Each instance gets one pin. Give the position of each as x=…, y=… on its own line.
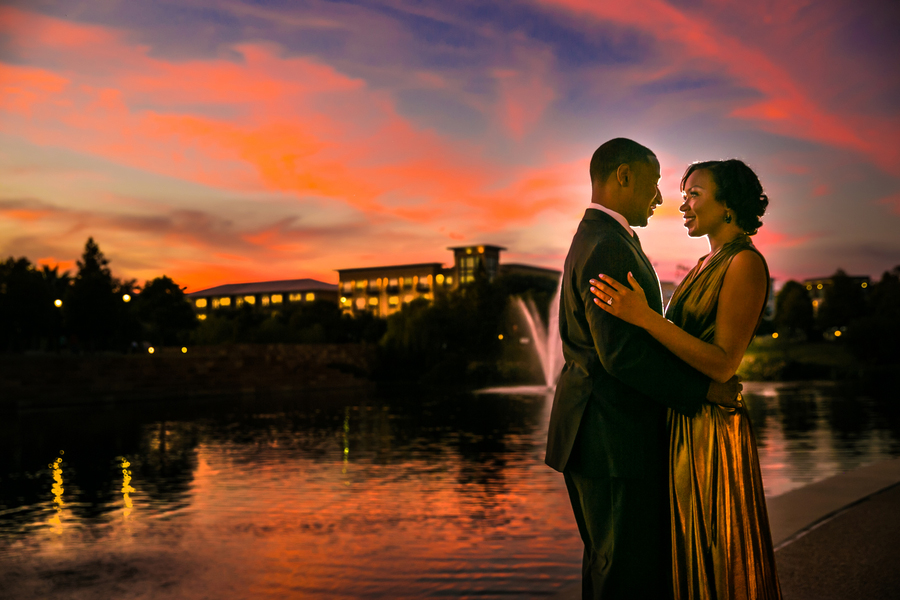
x=723, y=236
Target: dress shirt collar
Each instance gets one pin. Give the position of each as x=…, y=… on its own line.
x=619, y=218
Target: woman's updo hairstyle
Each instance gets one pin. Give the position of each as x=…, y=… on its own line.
x=738, y=188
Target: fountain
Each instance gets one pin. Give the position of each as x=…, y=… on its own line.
x=546, y=342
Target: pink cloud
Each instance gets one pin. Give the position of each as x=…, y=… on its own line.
x=294, y=125
x=785, y=108
x=892, y=202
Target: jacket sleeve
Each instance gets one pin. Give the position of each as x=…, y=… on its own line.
x=626, y=351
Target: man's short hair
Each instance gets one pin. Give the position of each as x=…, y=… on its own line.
x=615, y=152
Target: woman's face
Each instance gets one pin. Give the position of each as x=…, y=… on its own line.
x=702, y=213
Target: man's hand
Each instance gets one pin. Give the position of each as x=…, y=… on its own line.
x=726, y=394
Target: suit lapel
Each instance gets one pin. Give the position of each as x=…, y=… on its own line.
x=593, y=214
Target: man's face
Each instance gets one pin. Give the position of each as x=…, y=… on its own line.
x=646, y=192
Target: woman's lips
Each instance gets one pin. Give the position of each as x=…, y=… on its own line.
x=688, y=220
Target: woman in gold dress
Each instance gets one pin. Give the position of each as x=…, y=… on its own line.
x=721, y=544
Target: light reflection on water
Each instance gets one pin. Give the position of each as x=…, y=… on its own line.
x=407, y=494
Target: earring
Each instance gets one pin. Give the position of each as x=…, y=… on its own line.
x=728, y=217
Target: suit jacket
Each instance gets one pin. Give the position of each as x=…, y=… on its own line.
x=609, y=411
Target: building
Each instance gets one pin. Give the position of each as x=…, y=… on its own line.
x=262, y=294
x=817, y=287
x=382, y=291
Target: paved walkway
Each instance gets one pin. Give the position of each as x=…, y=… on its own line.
x=838, y=538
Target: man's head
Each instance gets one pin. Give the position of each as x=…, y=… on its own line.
x=625, y=177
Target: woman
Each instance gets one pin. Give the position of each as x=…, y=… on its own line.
x=722, y=547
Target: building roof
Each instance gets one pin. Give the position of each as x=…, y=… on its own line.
x=412, y=266
x=485, y=246
x=533, y=268
x=267, y=287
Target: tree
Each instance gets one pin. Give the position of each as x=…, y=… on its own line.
x=874, y=336
x=90, y=304
x=28, y=318
x=164, y=312
x=793, y=309
x=842, y=303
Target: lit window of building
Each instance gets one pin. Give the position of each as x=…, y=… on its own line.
x=200, y=303
x=360, y=303
x=225, y=301
x=310, y=297
x=361, y=284
x=347, y=286
x=250, y=299
x=265, y=300
x=295, y=297
x=276, y=299
x=373, y=301
x=202, y=316
x=394, y=300
x=439, y=278
x=408, y=298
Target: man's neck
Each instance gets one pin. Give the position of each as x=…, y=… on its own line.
x=620, y=219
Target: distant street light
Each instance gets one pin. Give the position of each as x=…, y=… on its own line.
x=57, y=303
x=183, y=350
x=126, y=298
x=151, y=350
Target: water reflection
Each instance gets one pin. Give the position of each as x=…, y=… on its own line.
x=400, y=493
x=57, y=490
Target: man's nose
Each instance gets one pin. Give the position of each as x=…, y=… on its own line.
x=658, y=198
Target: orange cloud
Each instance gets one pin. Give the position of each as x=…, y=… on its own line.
x=785, y=109
x=293, y=125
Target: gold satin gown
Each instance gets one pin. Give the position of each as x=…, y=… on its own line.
x=721, y=543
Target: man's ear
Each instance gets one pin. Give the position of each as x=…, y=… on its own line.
x=624, y=175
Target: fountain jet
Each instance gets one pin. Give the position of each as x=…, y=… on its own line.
x=547, y=342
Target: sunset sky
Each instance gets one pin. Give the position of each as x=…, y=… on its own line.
x=229, y=141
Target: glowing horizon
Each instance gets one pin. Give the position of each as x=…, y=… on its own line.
x=225, y=142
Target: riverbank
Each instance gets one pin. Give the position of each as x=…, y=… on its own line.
x=34, y=382
x=776, y=359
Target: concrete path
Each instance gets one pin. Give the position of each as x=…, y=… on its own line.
x=837, y=538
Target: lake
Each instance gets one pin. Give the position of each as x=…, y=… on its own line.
x=391, y=493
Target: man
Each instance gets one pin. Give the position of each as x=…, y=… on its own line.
x=608, y=423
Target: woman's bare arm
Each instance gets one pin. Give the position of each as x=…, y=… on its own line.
x=740, y=301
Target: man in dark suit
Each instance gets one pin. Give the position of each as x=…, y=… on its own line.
x=608, y=423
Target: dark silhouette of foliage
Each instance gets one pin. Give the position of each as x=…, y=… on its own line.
x=29, y=320
x=317, y=322
x=793, y=309
x=455, y=338
x=843, y=302
x=90, y=305
x=874, y=336
x=164, y=312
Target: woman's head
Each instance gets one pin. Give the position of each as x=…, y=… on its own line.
x=734, y=186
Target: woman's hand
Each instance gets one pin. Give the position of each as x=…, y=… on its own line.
x=630, y=305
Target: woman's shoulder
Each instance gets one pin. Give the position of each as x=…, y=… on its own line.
x=748, y=264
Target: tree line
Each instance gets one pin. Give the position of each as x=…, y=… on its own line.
x=868, y=318
x=460, y=333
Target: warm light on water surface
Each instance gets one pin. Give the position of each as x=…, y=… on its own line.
x=352, y=495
